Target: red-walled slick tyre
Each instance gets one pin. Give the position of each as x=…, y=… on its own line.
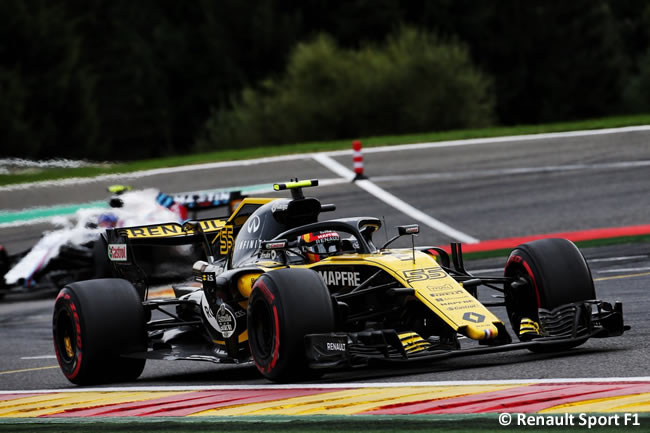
x=553, y=272
x=94, y=323
x=284, y=306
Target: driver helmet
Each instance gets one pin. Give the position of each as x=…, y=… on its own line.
x=320, y=245
x=107, y=220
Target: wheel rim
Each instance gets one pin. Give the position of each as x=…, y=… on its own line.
x=262, y=335
x=522, y=302
x=66, y=336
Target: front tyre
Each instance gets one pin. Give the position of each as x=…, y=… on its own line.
x=284, y=306
x=548, y=273
x=94, y=323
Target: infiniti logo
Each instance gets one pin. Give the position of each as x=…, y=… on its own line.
x=253, y=224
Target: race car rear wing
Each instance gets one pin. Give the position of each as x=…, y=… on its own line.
x=216, y=235
x=219, y=232
x=203, y=200
x=129, y=248
x=192, y=200
x=167, y=233
x=189, y=232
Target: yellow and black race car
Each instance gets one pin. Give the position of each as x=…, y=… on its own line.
x=298, y=296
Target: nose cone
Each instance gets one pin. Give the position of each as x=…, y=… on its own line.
x=481, y=332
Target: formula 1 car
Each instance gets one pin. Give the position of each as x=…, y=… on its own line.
x=298, y=296
x=70, y=252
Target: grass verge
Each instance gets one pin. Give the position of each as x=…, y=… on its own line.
x=311, y=424
x=239, y=154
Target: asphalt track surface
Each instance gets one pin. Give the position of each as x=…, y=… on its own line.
x=487, y=190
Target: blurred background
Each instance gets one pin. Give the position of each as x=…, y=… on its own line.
x=100, y=79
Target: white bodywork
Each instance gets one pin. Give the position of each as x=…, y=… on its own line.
x=140, y=207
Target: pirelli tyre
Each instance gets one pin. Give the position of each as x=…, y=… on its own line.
x=548, y=273
x=94, y=323
x=284, y=306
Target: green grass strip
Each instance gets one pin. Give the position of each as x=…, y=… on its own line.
x=480, y=423
x=239, y=154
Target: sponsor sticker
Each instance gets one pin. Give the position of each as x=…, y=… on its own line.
x=473, y=317
x=269, y=255
x=337, y=278
x=226, y=239
x=208, y=314
x=279, y=207
x=273, y=245
x=170, y=229
x=253, y=224
x=335, y=346
x=211, y=197
x=424, y=274
x=323, y=237
x=226, y=321
x=248, y=244
x=209, y=280
x=117, y=252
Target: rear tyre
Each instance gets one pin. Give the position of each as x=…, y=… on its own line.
x=94, y=323
x=284, y=306
x=554, y=273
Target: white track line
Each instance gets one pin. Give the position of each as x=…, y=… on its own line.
x=510, y=171
x=39, y=357
x=44, y=220
x=393, y=201
x=616, y=271
x=339, y=385
x=333, y=166
x=617, y=259
x=414, y=213
x=394, y=148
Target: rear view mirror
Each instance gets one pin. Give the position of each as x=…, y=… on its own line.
x=411, y=229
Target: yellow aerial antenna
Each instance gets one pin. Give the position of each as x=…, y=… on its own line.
x=296, y=187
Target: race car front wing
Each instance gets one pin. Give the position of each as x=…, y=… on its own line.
x=564, y=326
